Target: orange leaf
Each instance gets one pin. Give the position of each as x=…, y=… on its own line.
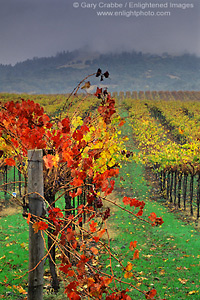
x=94, y=250
x=136, y=254
x=107, y=280
x=36, y=227
x=29, y=218
x=91, y=281
x=180, y=131
x=93, y=226
x=133, y=245
x=101, y=233
x=48, y=161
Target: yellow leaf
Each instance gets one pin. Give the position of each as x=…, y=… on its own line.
x=21, y=290
x=128, y=275
x=183, y=281
x=129, y=267
x=193, y=292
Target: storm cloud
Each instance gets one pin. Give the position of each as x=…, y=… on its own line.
x=36, y=28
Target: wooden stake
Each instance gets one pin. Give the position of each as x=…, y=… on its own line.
x=36, y=206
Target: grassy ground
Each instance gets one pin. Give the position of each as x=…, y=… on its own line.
x=13, y=256
x=169, y=254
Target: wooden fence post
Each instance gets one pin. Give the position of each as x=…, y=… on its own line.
x=36, y=243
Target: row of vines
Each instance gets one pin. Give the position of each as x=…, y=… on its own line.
x=168, y=135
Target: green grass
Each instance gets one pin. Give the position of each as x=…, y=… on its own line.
x=169, y=255
x=13, y=255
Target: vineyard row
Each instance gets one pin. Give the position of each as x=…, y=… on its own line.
x=168, y=136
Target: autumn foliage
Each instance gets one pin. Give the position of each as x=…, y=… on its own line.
x=81, y=157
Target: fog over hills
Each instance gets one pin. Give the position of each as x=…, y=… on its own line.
x=129, y=71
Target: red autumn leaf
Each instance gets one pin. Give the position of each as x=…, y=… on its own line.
x=55, y=213
x=9, y=162
x=74, y=244
x=65, y=125
x=15, y=143
x=136, y=254
x=122, y=123
x=139, y=213
x=152, y=216
x=98, y=92
x=151, y=294
x=136, y=203
x=133, y=245
x=77, y=135
x=70, y=234
x=39, y=226
x=76, y=182
x=126, y=200
x=155, y=220
x=93, y=226
x=63, y=238
x=71, y=287
x=65, y=268
x=96, y=239
x=110, y=189
x=142, y=204
x=133, y=202
x=75, y=194
x=48, y=161
x=159, y=221
x=74, y=296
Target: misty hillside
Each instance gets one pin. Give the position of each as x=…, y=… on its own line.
x=128, y=72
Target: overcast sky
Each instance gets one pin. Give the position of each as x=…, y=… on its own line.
x=36, y=28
